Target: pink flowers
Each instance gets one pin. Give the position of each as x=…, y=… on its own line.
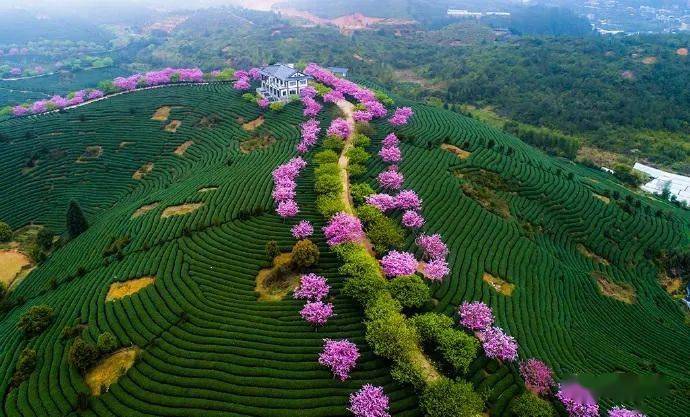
x=383, y=202
x=622, y=412
x=19, y=111
x=312, y=287
x=284, y=190
x=390, y=154
x=16, y=71
x=578, y=401
x=333, y=96
x=391, y=178
x=95, y=94
x=126, y=83
x=316, y=313
x=287, y=208
x=339, y=355
x=436, y=270
x=498, y=345
x=369, y=401
x=362, y=116
x=339, y=128
x=241, y=84
x=263, y=102
x=433, y=246
x=343, y=228
x=412, y=220
x=311, y=106
x=537, y=375
x=302, y=230
x=397, y=264
x=390, y=141
x=310, y=132
x=408, y=200
x=476, y=315
x=401, y=116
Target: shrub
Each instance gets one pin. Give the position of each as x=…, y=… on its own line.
x=69, y=332
x=362, y=141
x=382, y=307
x=106, y=343
x=448, y=398
x=391, y=337
x=277, y=106
x=326, y=157
x=405, y=373
x=411, y=291
x=529, y=405
x=358, y=156
x=26, y=364
x=272, y=249
x=334, y=143
x=36, y=320
x=430, y=325
x=83, y=355
x=37, y=254
x=328, y=184
x=304, y=254
x=76, y=222
x=364, y=288
x=44, y=238
x=384, y=233
x=359, y=192
x=5, y=232
x=329, y=205
x=368, y=213
x=457, y=348
x=355, y=170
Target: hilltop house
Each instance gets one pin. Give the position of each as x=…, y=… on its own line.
x=281, y=81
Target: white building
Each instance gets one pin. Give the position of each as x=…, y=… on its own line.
x=279, y=82
x=677, y=185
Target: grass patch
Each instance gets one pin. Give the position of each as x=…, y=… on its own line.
x=460, y=153
x=181, y=210
x=110, y=369
x=12, y=264
x=256, y=143
x=207, y=189
x=183, y=148
x=272, y=284
x=91, y=152
x=123, y=289
x=602, y=198
x=173, y=126
x=591, y=255
x=501, y=286
x=143, y=171
x=144, y=209
x=161, y=114
x=621, y=292
x=254, y=124
x=125, y=144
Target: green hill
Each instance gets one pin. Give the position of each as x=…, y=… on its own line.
x=572, y=242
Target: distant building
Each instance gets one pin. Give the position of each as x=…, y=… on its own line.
x=676, y=185
x=339, y=71
x=463, y=13
x=281, y=81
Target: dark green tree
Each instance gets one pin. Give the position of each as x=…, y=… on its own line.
x=272, y=249
x=529, y=405
x=76, y=222
x=5, y=232
x=36, y=320
x=304, y=254
x=83, y=355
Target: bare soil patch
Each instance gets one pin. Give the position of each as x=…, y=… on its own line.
x=411, y=77
x=12, y=264
x=123, y=289
x=621, y=292
x=125, y=144
x=256, y=143
x=91, y=152
x=501, y=286
x=254, y=124
x=144, y=209
x=460, y=153
x=143, y=171
x=602, y=198
x=273, y=286
x=650, y=60
x=207, y=189
x=183, y=148
x=673, y=286
x=110, y=369
x=682, y=51
x=599, y=156
x=161, y=114
x=591, y=255
x=181, y=210
x=173, y=126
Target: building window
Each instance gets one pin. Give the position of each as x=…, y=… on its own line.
x=283, y=93
x=303, y=82
x=293, y=83
x=293, y=92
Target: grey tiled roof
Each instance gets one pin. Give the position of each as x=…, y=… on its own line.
x=283, y=72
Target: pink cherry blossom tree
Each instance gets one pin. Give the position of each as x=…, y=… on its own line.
x=498, y=345
x=369, y=401
x=287, y=208
x=390, y=154
x=412, y=220
x=475, y=315
x=339, y=128
x=577, y=400
x=302, y=230
x=433, y=246
x=391, y=179
x=383, y=202
x=340, y=356
x=343, y=228
x=436, y=270
x=624, y=412
x=312, y=287
x=396, y=264
x=317, y=313
x=537, y=375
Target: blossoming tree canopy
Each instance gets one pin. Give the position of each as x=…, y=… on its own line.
x=317, y=313
x=401, y=116
x=412, y=220
x=408, y=200
x=339, y=128
x=396, y=264
x=475, y=315
x=433, y=246
x=391, y=178
x=312, y=287
x=390, y=140
x=577, y=400
x=383, y=202
x=340, y=356
x=498, y=345
x=369, y=401
x=302, y=230
x=537, y=375
x=343, y=228
x=390, y=154
x=436, y=270
x=624, y=412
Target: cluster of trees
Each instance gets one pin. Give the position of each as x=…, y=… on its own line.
x=545, y=139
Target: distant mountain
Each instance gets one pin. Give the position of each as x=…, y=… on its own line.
x=20, y=26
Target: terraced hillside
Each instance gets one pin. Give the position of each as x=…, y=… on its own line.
x=193, y=220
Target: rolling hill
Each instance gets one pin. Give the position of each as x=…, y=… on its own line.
x=179, y=202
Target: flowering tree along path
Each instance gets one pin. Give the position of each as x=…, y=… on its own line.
x=430, y=373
